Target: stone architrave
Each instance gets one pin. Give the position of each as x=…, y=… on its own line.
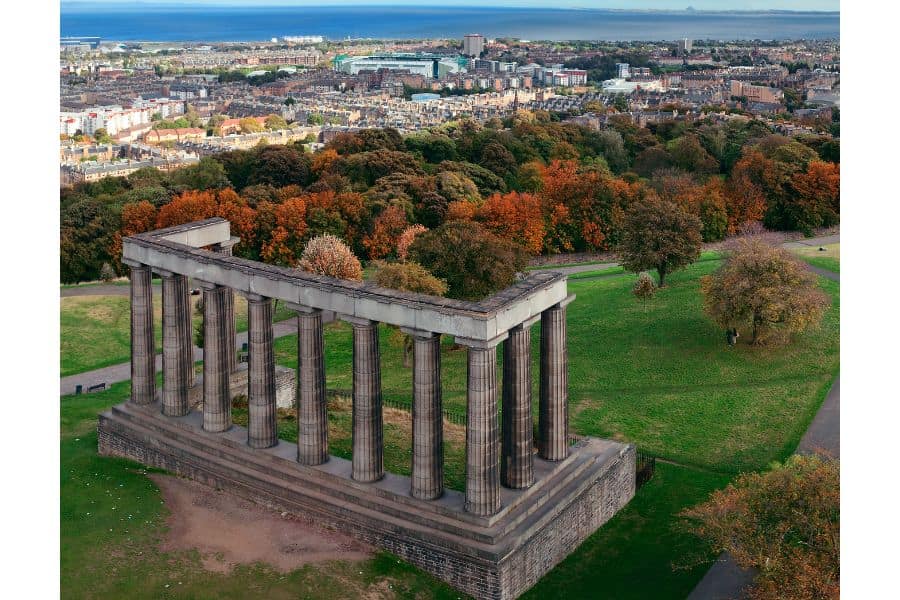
x=312, y=406
x=216, y=371
x=143, y=344
x=427, y=479
x=553, y=417
x=176, y=352
x=368, y=432
x=517, y=456
x=262, y=430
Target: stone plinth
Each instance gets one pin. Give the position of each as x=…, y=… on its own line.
x=496, y=557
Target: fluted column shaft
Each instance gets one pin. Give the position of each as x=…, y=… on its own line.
x=368, y=444
x=517, y=462
x=482, y=433
x=262, y=431
x=143, y=344
x=176, y=352
x=553, y=417
x=228, y=314
x=188, y=332
x=427, y=481
x=216, y=372
x=312, y=407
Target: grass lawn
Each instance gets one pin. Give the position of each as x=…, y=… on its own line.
x=95, y=331
x=112, y=520
x=830, y=259
x=658, y=374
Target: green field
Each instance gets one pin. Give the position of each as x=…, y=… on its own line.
x=658, y=374
x=95, y=331
x=829, y=259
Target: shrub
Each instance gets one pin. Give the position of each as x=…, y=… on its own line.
x=328, y=255
x=644, y=287
x=106, y=272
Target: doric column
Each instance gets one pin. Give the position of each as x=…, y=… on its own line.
x=188, y=331
x=517, y=459
x=368, y=442
x=216, y=371
x=176, y=353
x=262, y=430
x=553, y=417
x=312, y=407
x=143, y=344
x=226, y=248
x=427, y=480
x=482, y=428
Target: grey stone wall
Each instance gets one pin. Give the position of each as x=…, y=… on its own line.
x=578, y=498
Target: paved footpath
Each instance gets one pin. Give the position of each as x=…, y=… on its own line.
x=122, y=371
x=725, y=580
x=808, y=243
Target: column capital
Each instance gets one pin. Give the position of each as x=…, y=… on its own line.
x=419, y=334
x=251, y=297
x=527, y=322
x=357, y=321
x=206, y=285
x=300, y=308
x=164, y=272
x=134, y=264
x=564, y=303
x=482, y=344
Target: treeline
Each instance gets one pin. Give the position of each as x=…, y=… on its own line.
x=548, y=186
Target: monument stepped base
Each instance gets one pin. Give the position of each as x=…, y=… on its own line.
x=496, y=557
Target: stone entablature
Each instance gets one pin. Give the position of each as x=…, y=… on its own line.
x=178, y=249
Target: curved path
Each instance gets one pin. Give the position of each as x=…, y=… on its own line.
x=600, y=266
x=725, y=580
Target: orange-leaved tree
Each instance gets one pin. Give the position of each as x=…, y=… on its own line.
x=386, y=230
x=515, y=216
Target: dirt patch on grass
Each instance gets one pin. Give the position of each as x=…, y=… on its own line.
x=227, y=531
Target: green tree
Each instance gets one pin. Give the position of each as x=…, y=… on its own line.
x=474, y=262
x=101, y=136
x=408, y=277
x=250, y=125
x=275, y=122
x=660, y=235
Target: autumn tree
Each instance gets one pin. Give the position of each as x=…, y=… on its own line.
x=815, y=201
x=275, y=122
x=388, y=227
x=406, y=239
x=515, y=216
x=408, y=277
x=783, y=523
x=764, y=289
x=285, y=243
x=474, y=262
x=328, y=255
x=658, y=234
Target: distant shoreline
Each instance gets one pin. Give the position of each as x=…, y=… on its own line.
x=171, y=23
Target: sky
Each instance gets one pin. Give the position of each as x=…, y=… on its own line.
x=830, y=5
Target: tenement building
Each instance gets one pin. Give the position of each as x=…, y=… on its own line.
x=527, y=502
